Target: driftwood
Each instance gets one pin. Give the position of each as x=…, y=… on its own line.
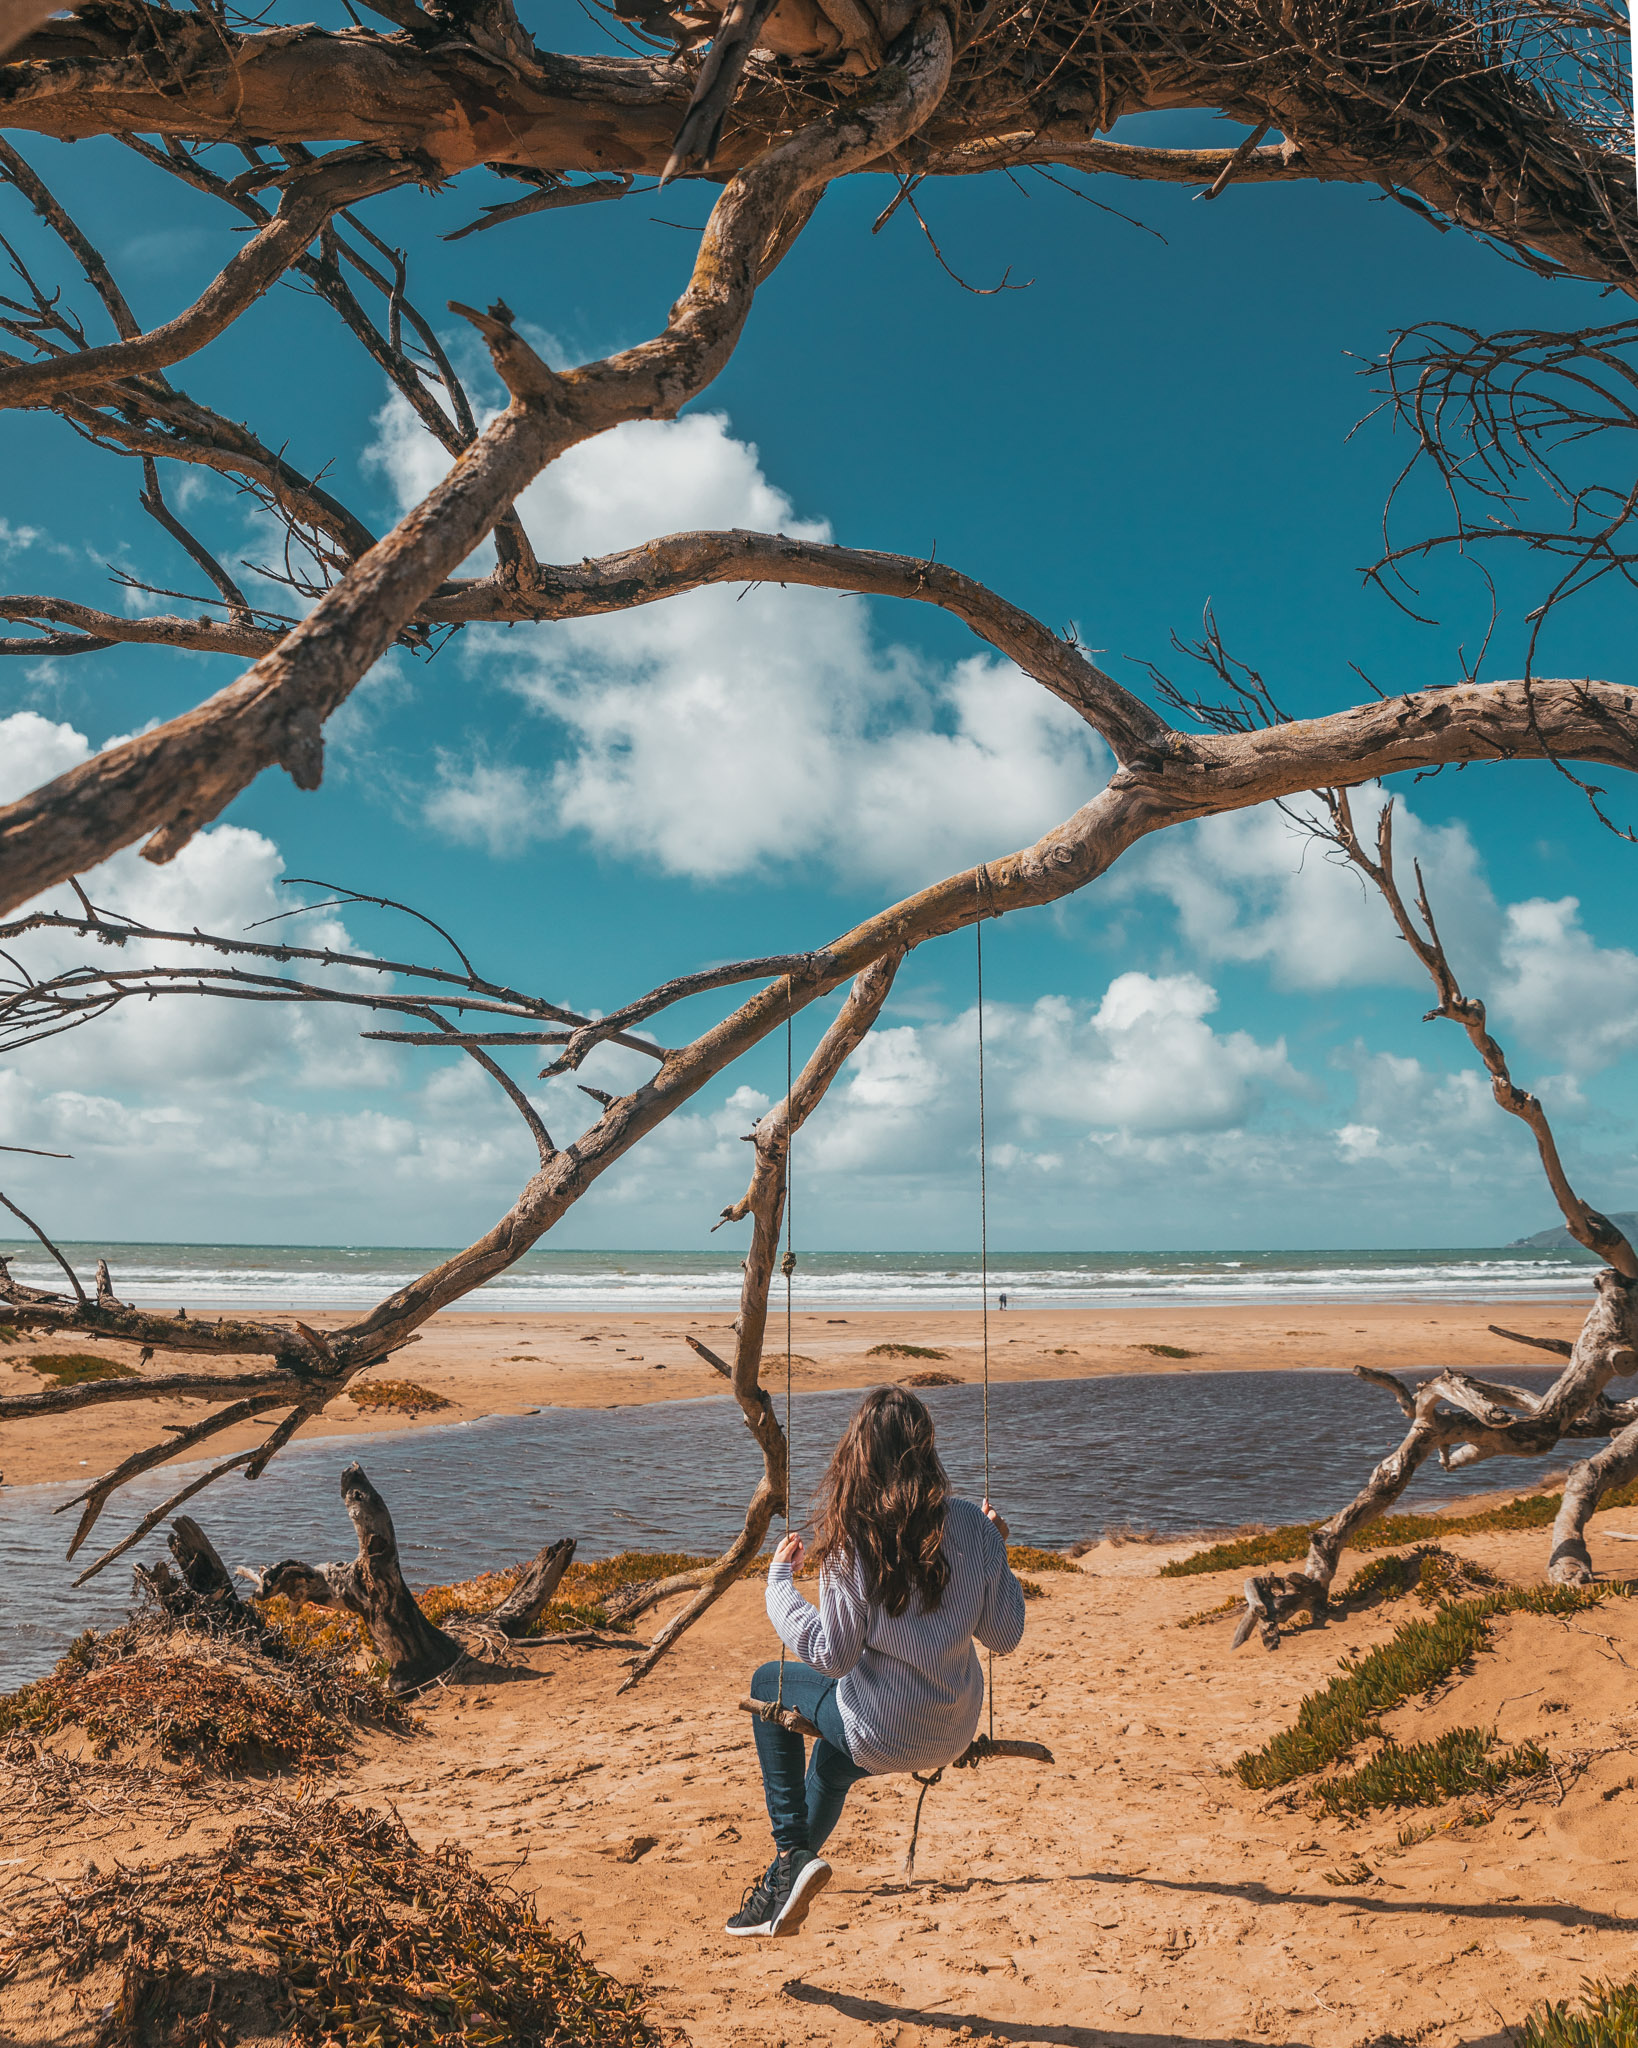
x=1462, y=1418
x=372, y=1587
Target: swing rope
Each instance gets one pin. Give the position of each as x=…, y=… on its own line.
x=787, y=1267
x=984, y=1273
x=982, y=1747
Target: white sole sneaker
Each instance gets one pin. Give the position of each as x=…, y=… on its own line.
x=810, y=1883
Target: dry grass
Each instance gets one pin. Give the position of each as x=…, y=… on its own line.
x=931, y=1379
x=579, y=1603
x=248, y=1700
x=326, y=1925
x=399, y=1397
x=904, y=1351
x=1024, y=1557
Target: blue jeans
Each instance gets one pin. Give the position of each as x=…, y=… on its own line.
x=804, y=1804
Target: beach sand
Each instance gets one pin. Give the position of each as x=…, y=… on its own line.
x=1132, y=1895
x=489, y=1364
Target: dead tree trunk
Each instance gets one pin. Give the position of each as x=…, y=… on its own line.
x=1462, y=1418
x=373, y=1588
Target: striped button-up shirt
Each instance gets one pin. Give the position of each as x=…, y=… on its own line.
x=911, y=1687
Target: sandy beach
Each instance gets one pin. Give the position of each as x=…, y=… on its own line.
x=1131, y=1895
x=485, y=1364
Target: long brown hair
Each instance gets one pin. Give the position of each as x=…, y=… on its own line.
x=882, y=1502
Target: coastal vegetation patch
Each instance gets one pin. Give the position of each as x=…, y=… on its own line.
x=1457, y=1765
x=931, y=1379
x=579, y=1603
x=398, y=1397
x=904, y=1351
x=74, y=1368
x=1606, y=2017
x=324, y=1923
x=1164, y=1350
x=1284, y=1545
x=1431, y=1574
x=1420, y=1655
x=1024, y=1557
x=275, y=1706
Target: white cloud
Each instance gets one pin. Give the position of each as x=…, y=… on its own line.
x=1253, y=886
x=1562, y=990
x=723, y=731
x=14, y=539
x=35, y=750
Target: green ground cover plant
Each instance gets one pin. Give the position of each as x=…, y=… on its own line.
x=904, y=1351
x=1024, y=1557
x=1285, y=1545
x=1453, y=1766
x=1607, y=2018
x=74, y=1368
x=1420, y=1654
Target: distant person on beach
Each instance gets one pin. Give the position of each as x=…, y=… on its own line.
x=909, y=1578
x=1003, y=1301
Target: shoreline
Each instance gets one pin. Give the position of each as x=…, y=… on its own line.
x=485, y=1363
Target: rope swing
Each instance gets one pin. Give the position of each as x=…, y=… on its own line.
x=982, y=1747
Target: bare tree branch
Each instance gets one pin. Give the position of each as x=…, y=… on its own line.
x=307, y=203
x=1585, y=1224
x=764, y=1203
x=172, y=781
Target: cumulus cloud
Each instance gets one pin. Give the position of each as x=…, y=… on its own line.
x=33, y=750
x=723, y=731
x=1254, y=886
x=1565, y=992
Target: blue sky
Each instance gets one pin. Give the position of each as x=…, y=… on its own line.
x=1219, y=1045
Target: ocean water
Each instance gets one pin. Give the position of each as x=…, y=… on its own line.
x=1069, y=1458
x=305, y=1277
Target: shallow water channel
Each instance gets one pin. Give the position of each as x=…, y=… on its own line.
x=1069, y=1458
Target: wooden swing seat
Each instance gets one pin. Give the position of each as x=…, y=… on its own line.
x=980, y=1750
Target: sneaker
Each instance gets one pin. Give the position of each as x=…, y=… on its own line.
x=779, y=1900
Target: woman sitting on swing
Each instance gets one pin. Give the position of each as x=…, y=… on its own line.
x=909, y=1578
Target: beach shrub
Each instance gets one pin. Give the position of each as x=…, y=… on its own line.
x=321, y=1924
x=74, y=1368
x=1234, y=1604
x=1608, y=2018
x=1285, y=1545
x=931, y=1379
x=8, y=1333
x=1432, y=1574
x=579, y=1602
x=1453, y=1766
x=400, y=1397
x=1419, y=1655
x=272, y=1708
x=904, y=1351
x=1026, y=1558
x=1164, y=1350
